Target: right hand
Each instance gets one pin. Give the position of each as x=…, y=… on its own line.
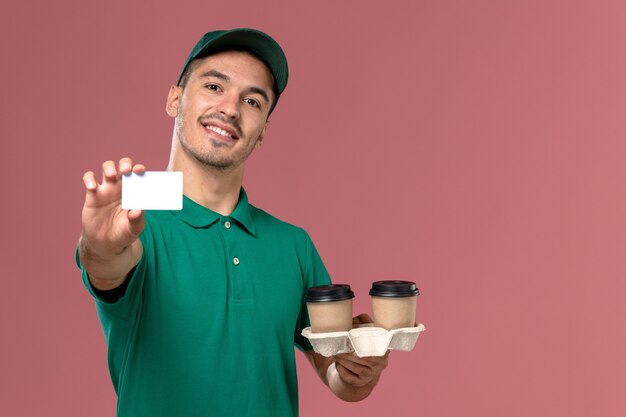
x=108, y=230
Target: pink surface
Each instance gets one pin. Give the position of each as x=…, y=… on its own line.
x=474, y=147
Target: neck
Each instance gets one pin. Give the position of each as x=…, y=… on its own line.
x=213, y=188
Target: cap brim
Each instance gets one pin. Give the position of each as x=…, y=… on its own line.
x=254, y=41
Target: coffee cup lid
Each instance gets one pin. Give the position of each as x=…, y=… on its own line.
x=394, y=288
x=330, y=292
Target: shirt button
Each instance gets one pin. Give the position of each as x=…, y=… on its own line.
x=227, y=224
x=236, y=260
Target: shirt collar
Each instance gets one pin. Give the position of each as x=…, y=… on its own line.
x=199, y=216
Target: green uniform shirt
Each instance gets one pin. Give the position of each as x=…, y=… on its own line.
x=207, y=323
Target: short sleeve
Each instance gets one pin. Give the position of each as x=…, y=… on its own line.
x=315, y=274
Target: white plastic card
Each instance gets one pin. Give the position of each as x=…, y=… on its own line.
x=153, y=190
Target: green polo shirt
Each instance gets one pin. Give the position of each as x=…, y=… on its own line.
x=207, y=323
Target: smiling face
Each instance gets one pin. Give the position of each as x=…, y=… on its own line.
x=221, y=112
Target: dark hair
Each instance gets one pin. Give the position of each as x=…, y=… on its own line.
x=184, y=78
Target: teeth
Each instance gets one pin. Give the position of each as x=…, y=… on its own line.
x=219, y=131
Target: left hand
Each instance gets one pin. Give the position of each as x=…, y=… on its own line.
x=356, y=371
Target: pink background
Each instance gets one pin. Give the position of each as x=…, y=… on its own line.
x=476, y=147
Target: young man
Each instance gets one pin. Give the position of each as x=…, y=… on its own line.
x=201, y=307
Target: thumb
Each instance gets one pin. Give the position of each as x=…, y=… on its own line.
x=362, y=319
x=136, y=221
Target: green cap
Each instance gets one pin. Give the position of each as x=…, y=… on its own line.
x=251, y=40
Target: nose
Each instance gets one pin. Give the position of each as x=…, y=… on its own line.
x=229, y=106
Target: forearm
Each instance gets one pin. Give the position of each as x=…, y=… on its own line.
x=108, y=267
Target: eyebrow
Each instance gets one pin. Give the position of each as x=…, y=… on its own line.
x=224, y=77
x=216, y=74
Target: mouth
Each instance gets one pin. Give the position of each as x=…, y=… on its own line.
x=220, y=131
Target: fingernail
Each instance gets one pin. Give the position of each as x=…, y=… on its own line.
x=110, y=171
x=90, y=184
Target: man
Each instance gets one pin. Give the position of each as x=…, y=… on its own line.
x=201, y=307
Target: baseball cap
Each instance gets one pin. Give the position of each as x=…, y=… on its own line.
x=251, y=40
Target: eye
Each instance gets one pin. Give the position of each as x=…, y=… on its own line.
x=252, y=102
x=213, y=87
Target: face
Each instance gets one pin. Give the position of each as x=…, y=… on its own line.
x=221, y=114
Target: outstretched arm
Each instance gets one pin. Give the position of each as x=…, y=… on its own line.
x=108, y=246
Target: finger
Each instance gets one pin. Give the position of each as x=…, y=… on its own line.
x=134, y=215
x=376, y=363
x=366, y=361
x=344, y=372
x=351, y=357
x=139, y=169
x=349, y=377
x=354, y=367
x=109, y=173
x=89, y=179
x=362, y=319
x=126, y=165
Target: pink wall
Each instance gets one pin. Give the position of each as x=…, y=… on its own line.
x=474, y=147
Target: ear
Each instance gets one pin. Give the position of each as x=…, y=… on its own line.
x=173, y=100
x=259, y=140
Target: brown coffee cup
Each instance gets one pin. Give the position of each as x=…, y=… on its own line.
x=330, y=308
x=394, y=303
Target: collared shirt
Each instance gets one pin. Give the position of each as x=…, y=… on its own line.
x=207, y=323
